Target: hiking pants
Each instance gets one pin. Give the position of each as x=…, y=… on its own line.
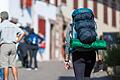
x=83, y=63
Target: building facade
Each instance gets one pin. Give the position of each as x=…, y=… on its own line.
x=107, y=13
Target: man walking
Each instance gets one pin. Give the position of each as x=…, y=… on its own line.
x=8, y=40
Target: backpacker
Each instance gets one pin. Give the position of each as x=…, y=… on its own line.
x=84, y=25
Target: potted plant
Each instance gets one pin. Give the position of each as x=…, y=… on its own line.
x=112, y=59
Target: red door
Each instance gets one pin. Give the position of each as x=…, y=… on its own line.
x=41, y=25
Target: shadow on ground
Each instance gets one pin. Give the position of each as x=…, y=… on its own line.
x=66, y=78
x=73, y=78
x=101, y=78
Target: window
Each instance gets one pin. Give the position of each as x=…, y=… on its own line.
x=113, y=17
x=25, y=3
x=95, y=7
x=85, y=4
x=75, y=4
x=64, y=1
x=113, y=4
x=105, y=12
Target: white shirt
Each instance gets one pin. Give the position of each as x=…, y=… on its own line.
x=8, y=32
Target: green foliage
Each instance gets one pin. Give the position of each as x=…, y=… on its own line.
x=113, y=56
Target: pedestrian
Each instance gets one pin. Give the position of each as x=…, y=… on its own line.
x=41, y=49
x=83, y=59
x=33, y=46
x=8, y=41
x=100, y=64
x=22, y=50
x=63, y=43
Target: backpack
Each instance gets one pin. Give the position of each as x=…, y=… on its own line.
x=84, y=25
x=32, y=39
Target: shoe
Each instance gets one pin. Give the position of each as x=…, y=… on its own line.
x=29, y=69
x=36, y=69
x=101, y=70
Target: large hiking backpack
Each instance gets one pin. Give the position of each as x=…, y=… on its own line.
x=83, y=34
x=84, y=25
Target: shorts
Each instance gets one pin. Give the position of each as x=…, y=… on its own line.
x=41, y=50
x=7, y=55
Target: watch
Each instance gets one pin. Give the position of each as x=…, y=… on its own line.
x=66, y=60
x=14, y=42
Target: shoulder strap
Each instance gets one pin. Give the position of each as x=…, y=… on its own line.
x=73, y=32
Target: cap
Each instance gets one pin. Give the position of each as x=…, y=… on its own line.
x=4, y=15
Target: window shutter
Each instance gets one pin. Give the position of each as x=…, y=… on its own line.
x=85, y=4
x=105, y=12
x=64, y=1
x=95, y=7
x=28, y=3
x=41, y=26
x=113, y=17
x=75, y=4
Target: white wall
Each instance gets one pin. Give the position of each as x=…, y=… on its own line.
x=48, y=12
x=4, y=5
x=67, y=9
x=45, y=10
x=14, y=8
x=18, y=13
